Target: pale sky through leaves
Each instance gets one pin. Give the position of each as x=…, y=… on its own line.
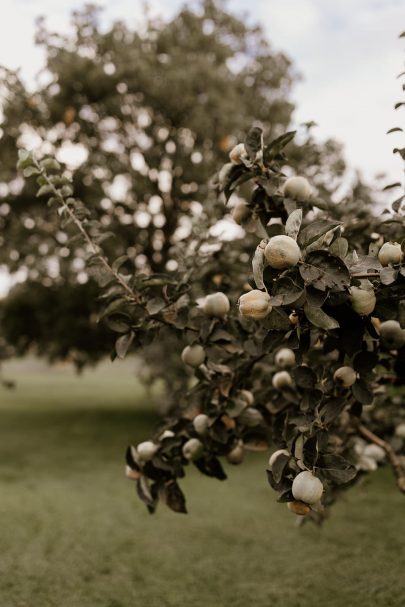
x=348, y=53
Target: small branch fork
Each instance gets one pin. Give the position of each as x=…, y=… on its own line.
x=391, y=455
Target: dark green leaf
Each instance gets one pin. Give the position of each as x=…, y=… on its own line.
x=319, y=318
x=123, y=344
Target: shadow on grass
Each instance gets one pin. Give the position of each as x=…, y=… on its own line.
x=48, y=442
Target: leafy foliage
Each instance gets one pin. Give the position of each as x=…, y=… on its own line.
x=250, y=400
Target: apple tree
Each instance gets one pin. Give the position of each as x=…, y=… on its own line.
x=298, y=351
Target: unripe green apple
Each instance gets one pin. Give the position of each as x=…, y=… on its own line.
x=193, y=449
x=285, y=358
x=275, y=455
x=237, y=153
x=281, y=379
x=146, y=450
x=298, y=508
x=375, y=452
x=240, y=212
x=367, y=464
x=282, y=252
x=363, y=300
x=307, y=488
x=297, y=188
x=200, y=423
x=390, y=254
x=216, y=304
x=193, y=356
x=345, y=376
x=247, y=396
x=391, y=334
x=400, y=430
x=236, y=455
x=255, y=304
x=250, y=417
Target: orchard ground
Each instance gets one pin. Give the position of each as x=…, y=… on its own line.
x=73, y=534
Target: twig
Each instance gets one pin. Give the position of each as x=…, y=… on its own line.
x=86, y=236
x=366, y=275
x=392, y=456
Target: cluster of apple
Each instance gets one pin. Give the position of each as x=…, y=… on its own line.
x=281, y=253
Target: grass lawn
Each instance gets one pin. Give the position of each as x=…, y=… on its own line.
x=73, y=533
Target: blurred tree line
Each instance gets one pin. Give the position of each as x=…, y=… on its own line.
x=141, y=120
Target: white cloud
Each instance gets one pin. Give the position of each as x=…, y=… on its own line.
x=347, y=51
x=349, y=55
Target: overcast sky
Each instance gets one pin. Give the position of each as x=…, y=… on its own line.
x=347, y=51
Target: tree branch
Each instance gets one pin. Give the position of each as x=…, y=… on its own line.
x=391, y=455
x=86, y=236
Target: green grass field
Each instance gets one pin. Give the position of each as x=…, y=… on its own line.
x=73, y=533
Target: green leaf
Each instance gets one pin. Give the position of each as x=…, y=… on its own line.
x=173, y=497
x=339, y=247
x=119, y=262
x=394, y=130
x=50, y=164
x=286, y=291
x=320, y=319
x=44, y=189
x=314, y=230
x=66, y=191
x=332, y=409
x=304, y=377
x=25, y=159
x=123, y=344
x=258, y=264
x=323, y=270
x=155, y=305
x=293, y=223
x=254, y=142
x=362, y=392
x=396, y=205
x=31, y=170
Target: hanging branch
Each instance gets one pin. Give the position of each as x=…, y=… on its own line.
x=391, y=455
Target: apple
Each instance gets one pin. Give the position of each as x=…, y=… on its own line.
x=240, y=212
x=236, y=455
x=307, y=488
x=375, y=452
x=391, y=334
x=255, y=304
x=281, y=379
x=285, y=358
x=192, y=449
x=200, y=423
x=146, y=450
x=345, y=376
x=216, y=304
x=297, y=188
x=363, y=300
x=390, y=253
x=193, y=356
x=282, y=252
